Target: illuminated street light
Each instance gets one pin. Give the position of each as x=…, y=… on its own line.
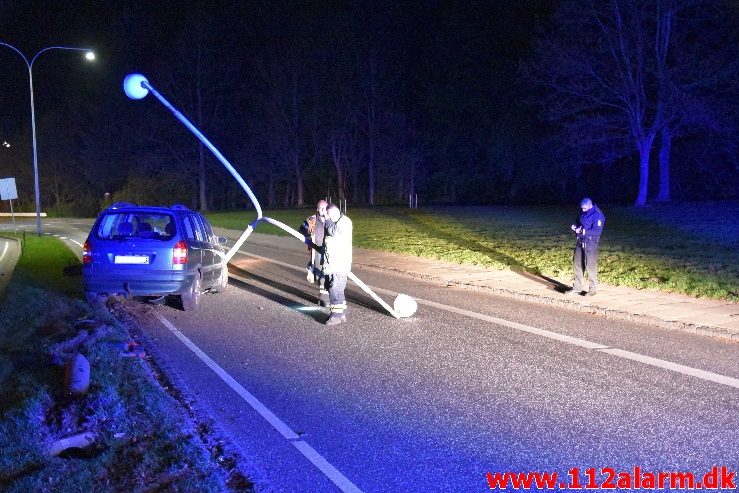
x=89, y=55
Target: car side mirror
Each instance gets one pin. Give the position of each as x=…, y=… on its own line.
x=222, y=240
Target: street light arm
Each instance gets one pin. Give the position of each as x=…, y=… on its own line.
x=37, y=193
x=19, y=52
x=56, y=48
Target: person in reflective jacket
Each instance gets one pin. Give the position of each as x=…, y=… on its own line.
x=587, y=229
x=313, y=229
x=337, y=260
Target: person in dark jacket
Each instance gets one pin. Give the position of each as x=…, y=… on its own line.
x=587, y=230
x=313, y=229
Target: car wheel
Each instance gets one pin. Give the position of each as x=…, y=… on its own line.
x=191, y=299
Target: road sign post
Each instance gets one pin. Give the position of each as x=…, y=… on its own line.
x=8, y=192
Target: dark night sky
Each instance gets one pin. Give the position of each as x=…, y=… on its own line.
x=451, y=67
x=129, y=36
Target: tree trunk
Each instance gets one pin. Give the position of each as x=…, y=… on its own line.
x=286, y=199
x=201, y=148
x=298, y=180
x=300, y=196
x=645, y=146
x=296, y=140
x=664, y=164
x=371, y=134
x=271, y=190
x=371, y=173
x=201, y=178
x=336, y=157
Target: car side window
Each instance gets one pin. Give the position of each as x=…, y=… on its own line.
x=189, y=233
x=196, y=227
x=107, y=224
x=206, y=228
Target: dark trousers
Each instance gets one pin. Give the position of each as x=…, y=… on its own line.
x=585, y=258
x=336, y=284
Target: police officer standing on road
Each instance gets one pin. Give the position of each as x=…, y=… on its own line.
x=587, y=230
x=337, y=261
x=313, y=230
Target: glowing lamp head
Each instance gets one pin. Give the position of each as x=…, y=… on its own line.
x=133, y=85
x=90, y=55
x=405, y=306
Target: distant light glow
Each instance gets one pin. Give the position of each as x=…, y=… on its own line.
x=5, y=144
x=90, y=55
x=133, y=88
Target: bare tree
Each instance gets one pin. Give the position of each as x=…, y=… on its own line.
x=198, y=78
x=599, y=70
x=697, y=55
x=623, y=74
x=282, y=98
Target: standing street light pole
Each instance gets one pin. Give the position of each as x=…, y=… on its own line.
x=90, y=56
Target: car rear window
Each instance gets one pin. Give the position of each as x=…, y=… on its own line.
x=121, y=225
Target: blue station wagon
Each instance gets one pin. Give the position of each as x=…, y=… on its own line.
x=153, y=252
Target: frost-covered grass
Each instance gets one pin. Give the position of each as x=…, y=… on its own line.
x=44, y=262
x=144, y=439
x=690, y=248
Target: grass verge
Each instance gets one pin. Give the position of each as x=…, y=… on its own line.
x=43, y=263
x=690, y=248
x=144, y=441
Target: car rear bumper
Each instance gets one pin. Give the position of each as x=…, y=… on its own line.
x=137, y=287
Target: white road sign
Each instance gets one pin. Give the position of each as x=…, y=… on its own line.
x=7, y=189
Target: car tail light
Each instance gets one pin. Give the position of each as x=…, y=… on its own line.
x=87, y=253
x=179, y=254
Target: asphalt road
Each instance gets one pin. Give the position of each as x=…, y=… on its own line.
x=472, y=384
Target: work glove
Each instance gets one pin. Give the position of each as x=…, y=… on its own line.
x=310, y=277
x=311, y=221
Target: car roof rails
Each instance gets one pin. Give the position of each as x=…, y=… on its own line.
x=120, y=205
x=180, y=207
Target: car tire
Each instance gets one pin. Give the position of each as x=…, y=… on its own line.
x=191, y=299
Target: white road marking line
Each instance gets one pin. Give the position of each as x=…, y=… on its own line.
x=326, y=468
x=276, y=422
x=5, y=250
x=576, y=341
x=70, y=239
x=309, y=452
x=676, y=367
x=513, y=325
